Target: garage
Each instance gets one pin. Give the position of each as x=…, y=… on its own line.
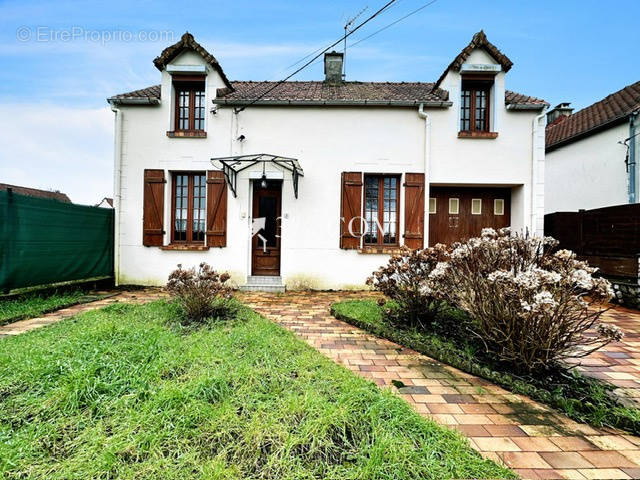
x=459, y=213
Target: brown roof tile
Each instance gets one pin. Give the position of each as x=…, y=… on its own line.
x=515, y=98
x=152, y=94
x=610, y=110
x=36, y=192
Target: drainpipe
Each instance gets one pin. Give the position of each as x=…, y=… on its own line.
x=632, y=157
x=117, y=176
x=427, y=168
x=534, y=171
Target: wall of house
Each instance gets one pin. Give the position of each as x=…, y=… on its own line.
x=327, y=141
x=589, y=173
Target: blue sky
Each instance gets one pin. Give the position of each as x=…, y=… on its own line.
x=52, y=89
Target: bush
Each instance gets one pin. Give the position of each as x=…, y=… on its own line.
x=405, y=279
x=201, y=293
x=530, y=307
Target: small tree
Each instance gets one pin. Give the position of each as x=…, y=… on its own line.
x=530, y=307
x=201, y=293
x=405, y=279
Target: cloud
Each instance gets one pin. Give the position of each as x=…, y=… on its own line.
x=53, y=147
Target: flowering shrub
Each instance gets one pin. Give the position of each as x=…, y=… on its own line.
x=201, y=293
x=530, y=307
x=405, y=279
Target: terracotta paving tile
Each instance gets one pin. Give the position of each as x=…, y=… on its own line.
x=565, y=460
x=527, y=436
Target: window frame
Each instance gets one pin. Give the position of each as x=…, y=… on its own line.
x=478, y=202
x=434, y=201
x=190, y=195
x=196, y=86
x=457, y=212
x=380, y=240
x=497, y=201
x=474, y=85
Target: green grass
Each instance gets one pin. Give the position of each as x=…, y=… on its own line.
x=582, y=398
x=125, y=392
x=34, y=304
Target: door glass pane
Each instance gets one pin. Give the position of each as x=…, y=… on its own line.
x=371, y=209
x=432, y=205
x=476, y=206
x=180, y=214
x=198, y=208
x=268, y=209
x=390, y=209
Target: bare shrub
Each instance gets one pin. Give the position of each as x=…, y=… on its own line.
x=531, y=308
x=405, y=279
x=201, y=292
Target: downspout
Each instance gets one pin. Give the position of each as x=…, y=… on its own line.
x=117, y=175
x=534, y=171
x=631, y=161
x=427, y=169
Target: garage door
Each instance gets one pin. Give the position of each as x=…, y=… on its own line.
x=459, y=213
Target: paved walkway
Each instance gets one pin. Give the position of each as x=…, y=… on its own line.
x=132, y=296
x=525, y=435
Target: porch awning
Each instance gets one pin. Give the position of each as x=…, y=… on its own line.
x=231, y=166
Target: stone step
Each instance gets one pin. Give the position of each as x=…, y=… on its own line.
x=262, y=288
x=264, y=280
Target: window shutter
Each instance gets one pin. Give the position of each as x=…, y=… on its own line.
x=216, y=209
x=153, y=214
x=350, y=208
x=414, y=210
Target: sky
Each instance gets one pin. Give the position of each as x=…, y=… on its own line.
x=61, y=60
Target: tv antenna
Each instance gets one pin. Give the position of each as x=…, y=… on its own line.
x=344, y=48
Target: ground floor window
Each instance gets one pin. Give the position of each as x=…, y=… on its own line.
x=189, y=206
x=381, y=198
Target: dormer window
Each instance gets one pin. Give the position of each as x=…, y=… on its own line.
x=190, y=105
x=474, y=104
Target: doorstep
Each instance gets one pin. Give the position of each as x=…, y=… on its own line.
x=259, y=283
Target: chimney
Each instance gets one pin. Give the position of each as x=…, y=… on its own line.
x=560, y=110
x=333, y=67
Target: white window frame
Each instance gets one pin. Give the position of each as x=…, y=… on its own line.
x=454, y=201
x=496, y=202
x=478, y=202
x=433, y=203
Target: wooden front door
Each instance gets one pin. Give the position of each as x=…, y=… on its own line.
x=265, y=243
x=462, y=212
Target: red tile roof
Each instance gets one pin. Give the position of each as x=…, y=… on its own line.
x=36, y=192
x=373, y=93
x=609, y=111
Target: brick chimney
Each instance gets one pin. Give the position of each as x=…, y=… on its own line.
x=560, y=110
x=333, y=67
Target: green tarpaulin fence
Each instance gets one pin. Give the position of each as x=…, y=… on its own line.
x=44, y=241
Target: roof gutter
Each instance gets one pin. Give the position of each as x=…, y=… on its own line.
x=337, y=103
x=526, y=106
x=134, y=101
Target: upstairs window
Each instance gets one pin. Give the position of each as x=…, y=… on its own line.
x=190, y=103
x=474, y=104
x=381, y=209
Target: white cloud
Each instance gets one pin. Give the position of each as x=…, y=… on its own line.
x=53, y=147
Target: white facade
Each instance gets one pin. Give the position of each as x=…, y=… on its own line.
x=588, y=173
x=327, y=140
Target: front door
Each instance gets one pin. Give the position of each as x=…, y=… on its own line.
x=265, y=243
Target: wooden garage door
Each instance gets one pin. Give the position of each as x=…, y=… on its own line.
x=477, y=208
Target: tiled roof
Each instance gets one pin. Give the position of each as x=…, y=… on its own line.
x=612, y=109
x=479, y=40
x=144, y=95
x=321, y=92
x=187, y=42
x=36, y=192
x=324, y=92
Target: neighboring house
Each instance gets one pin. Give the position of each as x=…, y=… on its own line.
x=36, y=192
x=463, y=152
x=592, y=154
x=106, y=202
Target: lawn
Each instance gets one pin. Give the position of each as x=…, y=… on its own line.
x=582, y=398
x=34, y=304
x=125, y=392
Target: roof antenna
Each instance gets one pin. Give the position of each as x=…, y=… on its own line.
x=344, y=48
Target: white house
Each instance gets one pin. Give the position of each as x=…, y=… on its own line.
x=591, y=154
x=313, y=184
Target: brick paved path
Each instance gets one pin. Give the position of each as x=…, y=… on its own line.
x=133, y=296
x=525, y=435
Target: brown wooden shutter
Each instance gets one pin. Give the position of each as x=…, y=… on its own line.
x=153, y=215
x=216, y=209
x=350, y=208
x=414, y=210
